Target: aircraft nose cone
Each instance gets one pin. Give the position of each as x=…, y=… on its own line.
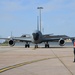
x=35, y=36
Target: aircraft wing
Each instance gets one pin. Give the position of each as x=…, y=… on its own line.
x=50, y=39
x=5, y=38
x=55, y=38
x=24, y=39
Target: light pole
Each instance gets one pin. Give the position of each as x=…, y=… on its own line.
x=40, y=15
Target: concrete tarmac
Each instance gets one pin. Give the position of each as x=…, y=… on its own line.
x=40, y=61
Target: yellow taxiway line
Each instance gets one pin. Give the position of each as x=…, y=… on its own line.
x=25, y=63
x=22, y=64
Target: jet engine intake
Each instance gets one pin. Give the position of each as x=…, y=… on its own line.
x=61, y=42
x=11, y=42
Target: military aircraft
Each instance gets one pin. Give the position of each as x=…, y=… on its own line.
x=37, y=37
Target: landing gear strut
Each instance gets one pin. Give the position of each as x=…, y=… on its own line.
x=27, y=45
x=46, y=45
x=36, y=46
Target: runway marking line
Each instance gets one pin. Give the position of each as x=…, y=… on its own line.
x=25, y=63
x=21, y=64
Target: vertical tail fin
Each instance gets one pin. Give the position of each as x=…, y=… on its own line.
x=37, y=22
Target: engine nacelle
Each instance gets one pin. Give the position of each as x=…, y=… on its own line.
x=61, y=42
x=11, y=42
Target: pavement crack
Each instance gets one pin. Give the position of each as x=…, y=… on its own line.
x=62, y=63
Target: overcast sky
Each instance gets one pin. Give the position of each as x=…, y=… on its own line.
x=20, y=17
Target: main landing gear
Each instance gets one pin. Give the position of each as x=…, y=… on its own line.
x=27, y=45
x=46, y=45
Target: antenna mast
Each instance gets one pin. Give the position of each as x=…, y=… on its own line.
x=40, y=15
x=37, y=22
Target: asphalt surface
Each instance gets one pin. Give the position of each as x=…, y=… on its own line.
x=41, y=61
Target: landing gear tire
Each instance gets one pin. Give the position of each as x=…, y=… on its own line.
x=27, y=45
x=46, y=45
x=36, y=46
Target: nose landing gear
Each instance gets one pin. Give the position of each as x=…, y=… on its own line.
x=46, y=45
x=36, y=46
